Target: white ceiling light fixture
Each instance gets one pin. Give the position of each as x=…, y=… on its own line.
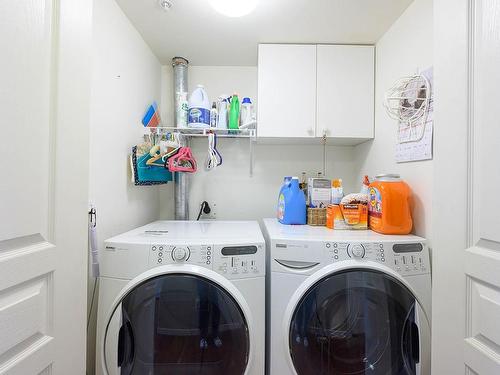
x=234, y=8
x=166, y=5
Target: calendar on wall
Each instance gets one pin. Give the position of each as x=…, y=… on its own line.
x=414, y=142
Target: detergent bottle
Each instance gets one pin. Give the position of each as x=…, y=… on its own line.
x=286, y=180
x=389, y=210
x=234, y=112
x=199, y=109
x=246, y=113
x=292, y=203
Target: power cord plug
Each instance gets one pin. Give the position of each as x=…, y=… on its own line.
x=204, y=209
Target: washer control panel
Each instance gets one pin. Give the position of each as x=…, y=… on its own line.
x=200, y=255
x=231, y=261
x=409, y=258
x=241, y=261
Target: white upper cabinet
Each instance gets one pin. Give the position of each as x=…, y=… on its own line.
x=345, y=87
x=287, y=91
x=306, y=91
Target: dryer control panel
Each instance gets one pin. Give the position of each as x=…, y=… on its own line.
x=232, y=261
x=408, y=258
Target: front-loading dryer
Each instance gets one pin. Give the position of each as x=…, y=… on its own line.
x=183, y=298
x=346, y=302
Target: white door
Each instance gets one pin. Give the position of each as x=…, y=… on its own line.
x=287, y=91
x=44, y=95
x=466, y=270
x=346, y=91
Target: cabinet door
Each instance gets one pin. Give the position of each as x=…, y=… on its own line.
x=287, y=91
x=345, y=92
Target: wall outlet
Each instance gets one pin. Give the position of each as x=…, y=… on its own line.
x=213, y=213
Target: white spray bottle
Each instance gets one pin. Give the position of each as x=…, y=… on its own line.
x=222, y=119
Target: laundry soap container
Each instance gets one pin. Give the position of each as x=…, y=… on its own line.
x=286, y=181
x=389, y=205
x=292, y=203
x=199, y=109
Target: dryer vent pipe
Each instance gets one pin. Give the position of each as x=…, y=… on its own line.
x=180, y=65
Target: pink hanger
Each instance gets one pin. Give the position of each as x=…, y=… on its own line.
x=183, y=161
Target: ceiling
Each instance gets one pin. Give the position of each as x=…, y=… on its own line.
x=194, y=30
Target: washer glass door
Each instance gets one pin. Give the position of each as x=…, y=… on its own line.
x=177, y=324
x=356, y=321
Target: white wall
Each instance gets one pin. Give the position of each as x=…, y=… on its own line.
x=126, y=79
x=230, y=187
x=406, y=47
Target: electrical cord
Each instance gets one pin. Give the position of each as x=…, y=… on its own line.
x=204, y=209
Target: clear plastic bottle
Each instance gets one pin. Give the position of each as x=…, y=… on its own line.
x=213, y=116
x=222, y=120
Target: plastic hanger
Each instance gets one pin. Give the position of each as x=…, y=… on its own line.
x=183, y=161
x=214, y=158
x=166, y=157
x=153, y=161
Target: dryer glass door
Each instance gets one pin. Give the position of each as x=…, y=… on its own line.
x=355, y=322
x=178, y=324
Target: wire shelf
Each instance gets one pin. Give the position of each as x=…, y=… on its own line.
x=250, y=134
x=203, y=132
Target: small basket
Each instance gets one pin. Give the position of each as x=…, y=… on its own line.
x=316, y=216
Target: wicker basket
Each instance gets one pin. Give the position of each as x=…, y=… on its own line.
x=316, y=216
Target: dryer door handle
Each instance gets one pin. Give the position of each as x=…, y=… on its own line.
x=415, y=343
x=297, y=265
x=126, y=345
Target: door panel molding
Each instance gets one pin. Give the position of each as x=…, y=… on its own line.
x=33, y=359
x=20, y=242
x=26, y=263
x=479, y=358
x=483, y=263
x=54, y=9
x=471, y=35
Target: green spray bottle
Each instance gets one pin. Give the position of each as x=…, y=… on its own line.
x=234, y=112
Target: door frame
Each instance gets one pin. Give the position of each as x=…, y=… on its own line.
x=455, y=206
x=71, y=72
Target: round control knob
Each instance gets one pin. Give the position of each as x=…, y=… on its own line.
x=179, y=254
x=357, y=250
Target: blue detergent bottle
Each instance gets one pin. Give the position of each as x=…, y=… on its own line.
x=292, y=203
x=286, y=180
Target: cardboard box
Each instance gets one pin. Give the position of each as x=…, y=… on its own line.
x=347, y=216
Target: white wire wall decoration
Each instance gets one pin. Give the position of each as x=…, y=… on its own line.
x=408, y=101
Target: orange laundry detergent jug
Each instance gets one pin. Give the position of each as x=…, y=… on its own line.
x=389, y=205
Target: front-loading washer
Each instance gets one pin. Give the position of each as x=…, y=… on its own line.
x=179, y=297
x=346, y=302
